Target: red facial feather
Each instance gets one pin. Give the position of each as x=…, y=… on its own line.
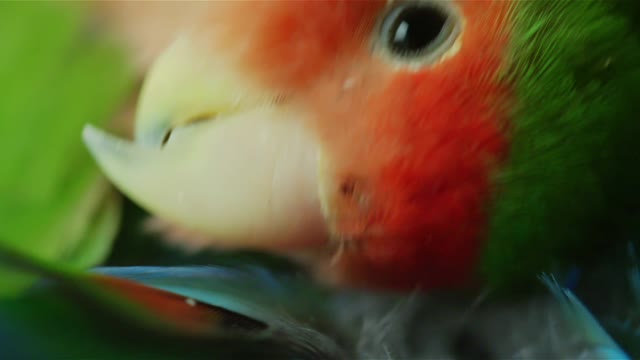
x=409, y=153
x=287, y=45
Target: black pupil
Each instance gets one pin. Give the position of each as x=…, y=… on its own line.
x=415, y=28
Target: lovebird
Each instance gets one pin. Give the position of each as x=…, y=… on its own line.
x=394, y=145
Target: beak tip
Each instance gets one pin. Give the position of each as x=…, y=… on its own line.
x=106, y=149
x=91, y=136
x=94, y=140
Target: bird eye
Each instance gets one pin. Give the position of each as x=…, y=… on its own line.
x=418, y=31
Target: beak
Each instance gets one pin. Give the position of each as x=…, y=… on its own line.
x=244, y=174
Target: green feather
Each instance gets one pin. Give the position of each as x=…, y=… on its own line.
x=571, y=175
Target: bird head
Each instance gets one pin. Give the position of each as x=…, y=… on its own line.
x=383, y=143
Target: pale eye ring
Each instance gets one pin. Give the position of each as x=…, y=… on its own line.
x=418, y=32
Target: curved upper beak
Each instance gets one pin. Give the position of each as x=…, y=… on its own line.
x=188, y=82
x=244, y=175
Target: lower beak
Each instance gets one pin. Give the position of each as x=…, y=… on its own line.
x=247, y=179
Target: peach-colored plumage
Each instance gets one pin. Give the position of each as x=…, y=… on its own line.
x=146, y=27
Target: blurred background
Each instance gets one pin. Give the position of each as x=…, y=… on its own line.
x=64, y=65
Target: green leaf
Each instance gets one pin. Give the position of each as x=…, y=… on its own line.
x=57, y=74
